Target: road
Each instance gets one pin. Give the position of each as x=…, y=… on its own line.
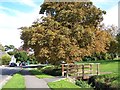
x=7, y=71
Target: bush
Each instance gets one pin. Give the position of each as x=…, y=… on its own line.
x=6, y=59
x=21, y=56
x=32, y=60
x=89, y=58
x=99, y=56
x=82, y=84
x=52, y=70
x=108, y=81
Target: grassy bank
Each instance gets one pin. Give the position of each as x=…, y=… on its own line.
x=108, y=81
x=16, y=82
x=62, y=84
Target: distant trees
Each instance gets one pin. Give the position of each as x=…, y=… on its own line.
x=8, y=47
x=21, y=56
x=5, y=59
x=2, y=47
x=118, y=43
x=31, y=59
x=70, y=31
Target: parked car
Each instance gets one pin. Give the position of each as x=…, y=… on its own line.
x=13, y=65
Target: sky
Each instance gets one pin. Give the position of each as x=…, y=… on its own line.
x=17, y=13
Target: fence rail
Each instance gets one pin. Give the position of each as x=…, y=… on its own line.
x=83, y=69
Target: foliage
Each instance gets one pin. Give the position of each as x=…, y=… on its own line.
x=70, y=31
x=82, y=84
x=8, y=47
x=32, y=59
x=11, y=53
x=62, y=84
x=16, y=82
x=89, y=58
x=108, y=81
x=39, y=74
x=99, y=56
x=6, y=59
x=1, y=47
x=52, y=70
x=118, y=44
x=21, y=56
x=115, y=45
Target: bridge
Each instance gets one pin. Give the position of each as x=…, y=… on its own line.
x=82, y=70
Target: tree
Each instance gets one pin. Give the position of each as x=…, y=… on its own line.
x=1, y=47
x=118, y=43
x=6, y=59
x=32, y=59
x=115, y=43
x=69, y=32
x=21, y=56
x=10, y=49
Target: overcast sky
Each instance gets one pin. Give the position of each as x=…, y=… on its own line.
x=17, y=13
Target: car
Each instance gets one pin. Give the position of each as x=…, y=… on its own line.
x=13, y=65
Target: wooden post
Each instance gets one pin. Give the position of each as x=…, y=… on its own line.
x=98, y=69
x=91, y=69
x=77, y=67
x=82, y=70
x=63, y=70
x=67, y=70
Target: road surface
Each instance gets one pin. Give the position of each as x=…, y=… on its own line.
x=7, y=71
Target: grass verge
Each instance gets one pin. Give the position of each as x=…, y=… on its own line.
x=62, y=84
x=39, y=74
x=16, y=82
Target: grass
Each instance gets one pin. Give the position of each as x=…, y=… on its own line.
x=107, y=65
x=16, y=82
x=39, y=74
x=62, y=84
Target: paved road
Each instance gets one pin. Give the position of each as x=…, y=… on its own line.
x=7, y=71
x=36, y=82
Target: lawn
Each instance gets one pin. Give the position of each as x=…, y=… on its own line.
x=107, y=66
x=16, y=82
x=62, y=84
x=39, y=74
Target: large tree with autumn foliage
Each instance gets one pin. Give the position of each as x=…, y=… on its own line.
x=70, y=31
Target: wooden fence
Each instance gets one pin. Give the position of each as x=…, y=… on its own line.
x=83, y=70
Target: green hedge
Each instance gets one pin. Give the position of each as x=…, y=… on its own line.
x=107, y=81
x=52, y=70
